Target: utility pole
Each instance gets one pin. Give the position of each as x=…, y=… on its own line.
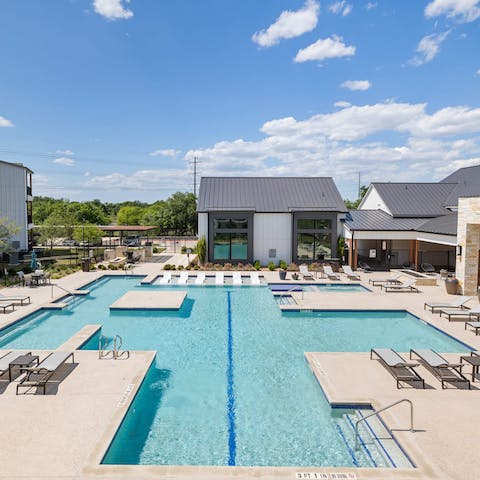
x=359, y=186
x=195, y=163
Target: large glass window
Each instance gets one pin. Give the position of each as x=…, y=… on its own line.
x=230, y=238
x=314, y=239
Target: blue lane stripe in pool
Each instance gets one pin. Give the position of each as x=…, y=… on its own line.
x=232, y=440
x=350, y=451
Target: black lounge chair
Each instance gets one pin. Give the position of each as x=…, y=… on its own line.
x=365, y=267
x=428, y=268
x=401, y=370
x=439, y=367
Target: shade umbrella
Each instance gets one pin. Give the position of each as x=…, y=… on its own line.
x=33, y=262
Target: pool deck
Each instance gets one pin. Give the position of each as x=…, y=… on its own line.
x=77, y=422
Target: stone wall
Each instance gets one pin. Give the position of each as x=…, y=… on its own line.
x=468, y=237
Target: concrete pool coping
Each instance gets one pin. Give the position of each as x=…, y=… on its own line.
x=412, y=303
x=150, y=300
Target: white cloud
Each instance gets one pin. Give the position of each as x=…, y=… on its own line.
x=428, y=48
x=331, y=47
x=342, y=104
x=461, y=10
x=341, y=7
x=4, y=122
x=64, y=152
x=168, y=152
x=68, y=162
x=356, y=84
x=371, y=5
x=289, y=25
x=112, y=9
x=477, y=73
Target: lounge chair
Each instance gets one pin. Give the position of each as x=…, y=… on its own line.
x=183, y=279
x=305, y=273
x=40, y=375
x=459, y=302
x=376, y=282
x=443, y=370
x=200, y=278
x=475, y=326
x=460, y=312
x=5, y=305
x=365, y=266
x=330, y=273
x=7, y=358
x=401, y=370
x=237, y=278
x=167, y=276
x=427, y=268
x=408, y=286
x=347, y=270
x=219, y=277
x=14, y=298
x=254, y=279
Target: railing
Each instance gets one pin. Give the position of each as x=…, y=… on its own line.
x=294, y=289
x=102, y=353
x=382, y=410
x=116, y=352
x=61, y=288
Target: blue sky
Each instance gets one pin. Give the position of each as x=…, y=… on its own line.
x=112, y=99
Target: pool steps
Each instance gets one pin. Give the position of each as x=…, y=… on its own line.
x=377, y=448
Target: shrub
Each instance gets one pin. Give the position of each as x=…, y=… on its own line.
x=257, y=265
x=208, y=266
x=202, y=249
x=292, y=267
x=282, y=264
x=93, y=267
x=111, y=266
x=240, y=266
x=315, y=266
x=249, y=266
x=196, y=267
x=180, y=267
x=271, y=266
x=218, y=266
x=228, y=266
x=102, y=267
x=155, y=250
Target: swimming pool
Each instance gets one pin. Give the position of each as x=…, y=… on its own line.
x=318, y=287
x=230, y=384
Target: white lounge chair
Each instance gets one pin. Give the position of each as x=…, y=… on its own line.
x=305, y=273
x=408, y=286
x=380, y=281
x=7, y=358
x=183, y=279
x=40, y=375
x=254, y=279
x=458, y=302
x=219, y=277
x=14, y=298
x=330, y=273
x=4, y=305
x=237, y=278
x=200, y=280
x=459, y=312
x=167, y=276
x=347, y=270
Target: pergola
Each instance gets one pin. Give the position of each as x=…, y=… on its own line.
x=130, y=229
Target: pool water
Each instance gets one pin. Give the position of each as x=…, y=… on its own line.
x=318, y=287
x=230, y=384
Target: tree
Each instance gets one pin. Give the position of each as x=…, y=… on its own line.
x=353, y=204
x=51, y=229
x=181, y=212
x=7, y=230
x=88, y=233
x=129, y=215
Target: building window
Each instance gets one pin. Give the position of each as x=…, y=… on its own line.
x=314, y=239
x=230, y=238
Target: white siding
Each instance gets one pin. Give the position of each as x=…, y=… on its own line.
x=203, y=225
x=13, y=196
x=272, y=231
x=373, y=201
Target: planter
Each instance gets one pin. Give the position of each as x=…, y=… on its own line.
x=451, y=285
x=283, y=274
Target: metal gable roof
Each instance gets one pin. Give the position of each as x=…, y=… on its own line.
x=468, y=184
x=446, y=225
x=419, y=200
x=269, y=194
x=378, y=220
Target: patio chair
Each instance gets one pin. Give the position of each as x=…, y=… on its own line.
x=408, y=286
x=377, y=282
x=427, y=268
x=460, y=312
x=365, y=266
x=305, y=273
x=459, y=302
x=183, y=278
x=401, y=370
x=219, y=278
x=4, y=305
x=9, y=357
x=167, y=276
x=475, y=326
x=40, y=375
x=14, y=298
x=330, y=273
x=254, y=279
x=347, y=270
x=200, y=278
x=439, y=367
x=237, y=278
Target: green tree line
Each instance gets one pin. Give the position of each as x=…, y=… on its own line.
x=174, y=216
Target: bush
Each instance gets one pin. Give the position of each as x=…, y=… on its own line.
x=282, y=264
x=111, y=266
x=102, y=267
x=196, y=267
x=249, y=266
x=240, y=266
x=257, y=265
x=292, y=267
x=180, y=267
x=315, y=266
x=93, y=267
x=208, y=266
x=183, y=249
x=202, y=250
x=218, y=266
x=228, y=266
x=271, y=266
x=155, y=250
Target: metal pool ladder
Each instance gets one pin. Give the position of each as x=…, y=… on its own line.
x=116, y=352
x=376, y=412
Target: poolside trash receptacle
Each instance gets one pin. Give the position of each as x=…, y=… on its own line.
x=283, y=274
x=85, y=264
